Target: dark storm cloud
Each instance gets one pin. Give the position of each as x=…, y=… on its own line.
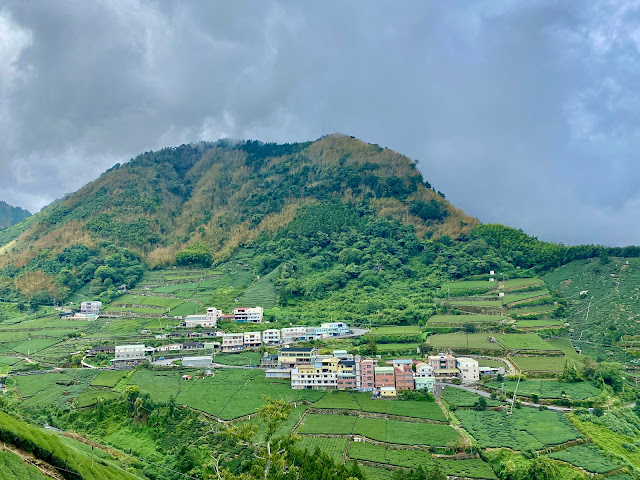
x=524, y=113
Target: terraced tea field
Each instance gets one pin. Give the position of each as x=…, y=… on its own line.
x=525, y=429
x=587, y=457
x=479, y=341
x=548, y=389
x=389, y=431
x=473, y=468
x=363, y=402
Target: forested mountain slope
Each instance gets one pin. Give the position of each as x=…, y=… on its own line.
x=11, y=215
x=331, y=218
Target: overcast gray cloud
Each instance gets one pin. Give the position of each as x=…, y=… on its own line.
x=524, y=113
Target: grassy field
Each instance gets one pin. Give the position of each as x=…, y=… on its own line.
x=587, y=457
x=130, y=299
x=462, y=398
x=535, y=310
x=440, y=320
x=613, y=288
x=472, y=340
x=12, y=467
x=474, y=468
x=33, y=346
x=261, y=291
x=540, y=364
x=374, y=473
x=363, y=402
x=520, y=283
x=236, y=392
x=474, y=302
x=490, y=362
x=608, y=440
x=54, y=388
x=474, y=285
x=91, y=395
x=520, y=296
x=54, y=449
x=395, y=331
x=549, y=389
x=334, y=447
x=398, y=347
x=389, y=431
x=186, y=308
x=108, y=378
x=526, y=428
x=524, y=341
x=543, y=322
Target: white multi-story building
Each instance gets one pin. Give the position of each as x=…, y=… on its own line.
x=271, y=337
x=232, y=342
x=90, y=308
x=469, y=371
x=293, y=334
x=424, y=370
x=321, y=373
x=127, y=355
x=210, y=319
x=248, y=315
x=316, y=333
x=129, y=351
x=252, y=339
x=336, y=329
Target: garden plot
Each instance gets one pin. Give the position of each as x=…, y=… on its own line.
x=334, y=447
x=460, y=320
x=478, y=341
x=14, y=468
x=473, y=468
x=522, y=283
x=462, y=398
x=53, y=388
x=524, y=341
x=540, y=364
x=109, y=378
x=395, y=331
x=549, y=389
x=587, y=457
x=390, y=431
x=535, y=311
x=229, y=394
x=521, y=296
x=539, y=323
x=148, y=300
x=471, y=286
x=363, y=402
x=525, y=429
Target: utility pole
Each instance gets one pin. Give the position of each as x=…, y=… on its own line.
x=513, y=400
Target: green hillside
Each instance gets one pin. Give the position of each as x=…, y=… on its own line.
x=334, y=228
x=11, y=215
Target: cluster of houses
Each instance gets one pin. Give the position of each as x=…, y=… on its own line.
x=307, y=369
x=129, y=355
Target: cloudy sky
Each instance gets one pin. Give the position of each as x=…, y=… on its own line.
x=523, y=113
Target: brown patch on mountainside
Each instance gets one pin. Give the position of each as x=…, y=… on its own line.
x=226, y=194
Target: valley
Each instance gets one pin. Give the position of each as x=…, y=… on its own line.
x=334, y=231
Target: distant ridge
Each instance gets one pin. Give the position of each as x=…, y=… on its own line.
x=10, y=215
